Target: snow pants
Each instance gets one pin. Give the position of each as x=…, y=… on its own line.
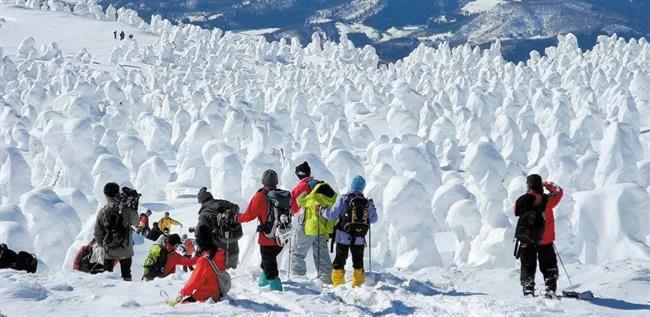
x=125, y=266
x=545, y=254
x=318, y=244
x=270, y=260
x=342, y=251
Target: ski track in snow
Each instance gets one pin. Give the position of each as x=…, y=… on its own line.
x=470, y=160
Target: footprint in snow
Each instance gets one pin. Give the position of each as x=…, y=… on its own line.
x=130, y=304
x=62, y=288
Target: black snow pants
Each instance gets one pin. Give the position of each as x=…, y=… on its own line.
x=342, y=251
x=545, y=254
x=270, y=260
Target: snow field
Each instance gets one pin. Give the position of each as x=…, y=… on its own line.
x=444, y=138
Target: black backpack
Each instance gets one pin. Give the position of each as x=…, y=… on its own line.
x=23, y=261
x=278, y=215
x=532, y=220
x=218, y=215
x=117, y=222
x=355, y=221
x=155, y=263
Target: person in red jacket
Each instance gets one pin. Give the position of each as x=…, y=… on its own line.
x=544, y=251
x=269, y=248
x=203, y=283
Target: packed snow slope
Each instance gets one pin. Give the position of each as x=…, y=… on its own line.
x=444, y=138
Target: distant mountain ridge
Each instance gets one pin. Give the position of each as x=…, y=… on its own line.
x=395, y=27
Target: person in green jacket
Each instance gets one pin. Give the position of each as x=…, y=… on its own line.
x=313, y=230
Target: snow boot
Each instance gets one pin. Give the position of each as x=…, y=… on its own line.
x=338, y=277
x=358, y=278
x=529, y=290
x=263, y=281
x=551, y=287
x=276, y=284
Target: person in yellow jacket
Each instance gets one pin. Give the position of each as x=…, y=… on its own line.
x=165, y=223
x=313, y=230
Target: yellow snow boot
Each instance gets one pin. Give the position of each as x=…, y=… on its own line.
x=358, y=278
x=338, y=277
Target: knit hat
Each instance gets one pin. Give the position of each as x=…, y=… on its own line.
x=534, y=182
x=174, y=239
x=204, y=195
x=358, y=184
x=270, y=178
x=303, y=170
x=111, y=190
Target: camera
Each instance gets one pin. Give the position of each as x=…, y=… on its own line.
x=129, y=197
x=191, y=229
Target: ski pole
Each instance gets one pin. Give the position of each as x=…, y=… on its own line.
x=369, y=249
x=289, y=270
x=563, y=267
x=318, y=248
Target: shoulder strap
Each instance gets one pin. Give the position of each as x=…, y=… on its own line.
x=212, y=264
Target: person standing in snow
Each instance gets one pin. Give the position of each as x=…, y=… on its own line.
x=163, y=258
x=307, y=238
x=354, y=213
x=258, y=208
x=121, y=35
x=218, y=214
x=203, y=283
x=113, y=231
x=165, y=223
x=115, y=34
x=535, y=234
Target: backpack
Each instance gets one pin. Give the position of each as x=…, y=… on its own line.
x=278, y=215
x=223, y=277
x=155, y=262
x=355, y=220
x=23, y=261
x=82, y=260
x=531, y=222
x=116, y=226
x=219, y=215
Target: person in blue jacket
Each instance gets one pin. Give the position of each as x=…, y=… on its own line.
x=344, y=241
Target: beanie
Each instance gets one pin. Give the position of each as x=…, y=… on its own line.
x=111, y=190
x=303, y=170
x=270, y=178
x=358, y=184
x=204, y=195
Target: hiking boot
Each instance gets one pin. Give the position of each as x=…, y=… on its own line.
x=358, y=277
x=529, y=290
x=551, y=284
x=127, y=279
x=262, y=281
x=550, y=294
x=276, y=284
x=338, y=277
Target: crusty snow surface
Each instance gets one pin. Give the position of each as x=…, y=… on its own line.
x=444, y=138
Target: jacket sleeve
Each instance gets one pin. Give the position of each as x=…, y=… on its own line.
x=372, y=212
x=252, y=211
x=296, y=193
x=338, y=209
x=175, y=222
x=178, y=259
x=99, y=228
x=555, y=194
x=197, y=277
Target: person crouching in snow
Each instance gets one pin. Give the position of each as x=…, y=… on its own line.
x=203, y=283
x=354, y=213
x=535, y=234
x=163, y=258
x=269, y=249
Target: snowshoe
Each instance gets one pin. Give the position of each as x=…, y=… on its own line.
x=587, y=295
x=550, y=294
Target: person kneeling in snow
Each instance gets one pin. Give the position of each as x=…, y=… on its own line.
x=163, y=258
x=354, y=213
x=204, y=283
x=535, y=233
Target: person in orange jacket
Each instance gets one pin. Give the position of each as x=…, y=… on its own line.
x=203, y=283
x=269, y=248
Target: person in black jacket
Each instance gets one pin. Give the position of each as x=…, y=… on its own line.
x=208, y=213
x=154, y=233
